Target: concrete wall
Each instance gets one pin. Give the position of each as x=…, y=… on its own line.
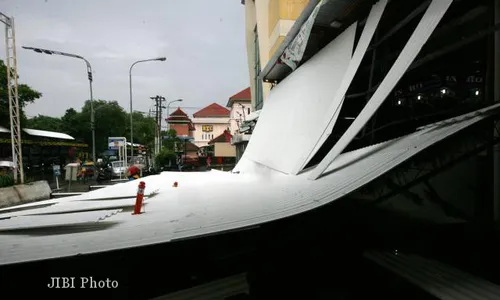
x=273, y=19
x=282, y=16
x=180, y=129
x=225, y=150
x=257, y=16
x=202, y=138
x=235, y=109
x=24, y=193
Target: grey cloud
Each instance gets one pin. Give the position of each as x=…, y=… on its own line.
x=203, y=41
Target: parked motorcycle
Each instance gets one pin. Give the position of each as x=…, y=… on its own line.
x=104, y=174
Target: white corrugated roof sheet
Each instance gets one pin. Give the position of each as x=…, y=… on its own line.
x=49, y=134
x=297, y=104
x=192, y=210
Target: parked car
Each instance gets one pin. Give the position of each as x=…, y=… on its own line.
x=118, y=169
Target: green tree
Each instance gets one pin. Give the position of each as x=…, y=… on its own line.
x=42, y=122
x=110, y=120
x=171, y=140
x=26, y=95
x=144, y=129
x=71, y=124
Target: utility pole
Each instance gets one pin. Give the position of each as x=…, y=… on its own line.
x=158, y=115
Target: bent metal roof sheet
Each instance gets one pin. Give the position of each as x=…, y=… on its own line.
x=190, y=210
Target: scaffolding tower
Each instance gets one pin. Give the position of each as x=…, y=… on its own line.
x=13, y=98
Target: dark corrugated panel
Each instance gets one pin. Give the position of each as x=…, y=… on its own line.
x=220, y=289
x=438, y=279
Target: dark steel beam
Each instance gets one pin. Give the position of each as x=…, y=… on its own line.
x=436, y=171
x=448, y=209
x=443, y=51
x=420, y=9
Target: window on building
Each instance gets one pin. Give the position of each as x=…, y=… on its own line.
x=248, y=110
x=259, y=98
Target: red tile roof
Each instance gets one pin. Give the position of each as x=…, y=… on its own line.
x=244, y=95
x=224, y=137
x=191, y=147
x=178, y=112
x=179, y=116
x=213, y=110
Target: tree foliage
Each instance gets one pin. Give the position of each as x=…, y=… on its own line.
x=110, y=119
x=168, y=155
x=45, y=122
x=26, y=95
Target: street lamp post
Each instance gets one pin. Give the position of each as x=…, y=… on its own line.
x=89, y=74
x=130, y=86
x=168, y=111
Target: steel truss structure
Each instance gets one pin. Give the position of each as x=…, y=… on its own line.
x=13, y=97
x=428, y=164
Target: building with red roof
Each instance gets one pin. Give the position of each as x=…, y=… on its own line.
x=181, y=123
x=240, y=105
x=209, y=122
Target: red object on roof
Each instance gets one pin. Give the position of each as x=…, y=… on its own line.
x=244, y=95
x=224, y=137
x=213, y=110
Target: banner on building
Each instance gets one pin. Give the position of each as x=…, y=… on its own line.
x=295, y=51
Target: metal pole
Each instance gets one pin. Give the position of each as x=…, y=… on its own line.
x=160, y=140
x=496, y=151
x=92, y=120
x=130, y=87
x=131, y=110
x=89, y=74
x=168, y=116
x=168, y=111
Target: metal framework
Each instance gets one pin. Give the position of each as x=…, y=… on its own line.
x=427, y=165
x=13, y=98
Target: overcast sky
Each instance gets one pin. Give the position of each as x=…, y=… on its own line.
x=204, y=42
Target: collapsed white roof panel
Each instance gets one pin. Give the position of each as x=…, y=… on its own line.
x=425, y=28
x=43, y=221
x=253, y=115
x=296, y=107
x=333, y=111
x=233, y=200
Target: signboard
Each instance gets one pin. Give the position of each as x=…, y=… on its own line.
x=295, y=51
x=114, y=143
x=57, y=170
x=207, y=128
